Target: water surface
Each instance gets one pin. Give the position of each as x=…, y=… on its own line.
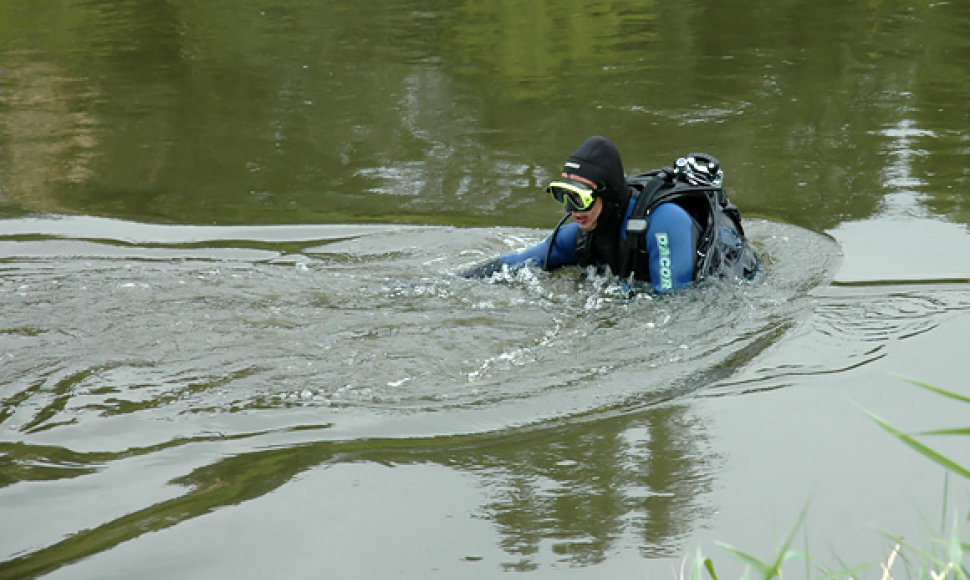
x=233, y=343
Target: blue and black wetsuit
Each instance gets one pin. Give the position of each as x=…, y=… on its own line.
x=670, y=241
x=667, y=227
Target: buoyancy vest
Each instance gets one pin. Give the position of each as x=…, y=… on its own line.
x=720, y=246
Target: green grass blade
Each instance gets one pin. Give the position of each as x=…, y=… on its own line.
x=946, y=462
x=944, y=392
x=957, y=431
x=927, y=556
x=766, y=570
x=761, y=567
x=709, y=566
x=697, y=567
x=955, y=550
x=784, y=554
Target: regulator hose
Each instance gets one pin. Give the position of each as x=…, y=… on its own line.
x=552, y=241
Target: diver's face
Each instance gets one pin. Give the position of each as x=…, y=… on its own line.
x=586, y=220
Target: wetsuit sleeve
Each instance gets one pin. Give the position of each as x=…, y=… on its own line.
x=670, y=247
x=563, y=253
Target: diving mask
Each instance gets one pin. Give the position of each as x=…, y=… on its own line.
x=573, y=195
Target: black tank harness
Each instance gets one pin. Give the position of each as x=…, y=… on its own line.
x=710, y=210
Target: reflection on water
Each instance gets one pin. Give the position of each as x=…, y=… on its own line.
x=259, y=353
x=268, y=351
x=641, y=476
x=294, y=112
x=51, y=145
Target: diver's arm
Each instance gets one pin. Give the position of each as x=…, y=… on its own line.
x=563, y=253
x=670, y=246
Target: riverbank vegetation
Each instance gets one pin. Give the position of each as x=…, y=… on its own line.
x=945, y=556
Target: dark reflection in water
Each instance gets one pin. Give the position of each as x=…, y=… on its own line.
x=583, y=489
x=563, y=397
x=295, y=111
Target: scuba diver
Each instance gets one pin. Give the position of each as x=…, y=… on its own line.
x=666, y=228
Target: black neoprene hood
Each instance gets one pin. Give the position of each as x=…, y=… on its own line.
x=598, y=160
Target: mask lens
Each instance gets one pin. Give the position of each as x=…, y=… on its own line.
x=573, y=196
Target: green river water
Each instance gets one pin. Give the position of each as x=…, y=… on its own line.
x=233, y=343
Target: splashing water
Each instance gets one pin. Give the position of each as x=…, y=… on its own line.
x=183, y=328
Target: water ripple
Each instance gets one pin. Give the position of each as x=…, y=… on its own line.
x=179, y=327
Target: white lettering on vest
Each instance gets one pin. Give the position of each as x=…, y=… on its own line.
x=666, y=277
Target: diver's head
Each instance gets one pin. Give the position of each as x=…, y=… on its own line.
x=597, y=161
x=594, y=186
